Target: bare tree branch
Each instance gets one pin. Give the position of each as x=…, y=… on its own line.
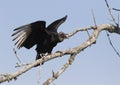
x=65, y=66
x=92, y=39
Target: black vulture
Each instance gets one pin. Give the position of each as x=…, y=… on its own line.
x=36, y=33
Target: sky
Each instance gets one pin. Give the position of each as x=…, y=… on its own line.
x=96, y=65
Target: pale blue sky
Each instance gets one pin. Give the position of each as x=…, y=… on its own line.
x=97, y=65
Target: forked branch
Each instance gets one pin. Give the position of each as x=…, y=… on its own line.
x=92, y=39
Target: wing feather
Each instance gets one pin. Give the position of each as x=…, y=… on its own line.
x=21, y=35
x=27, y=35
x=54, y=26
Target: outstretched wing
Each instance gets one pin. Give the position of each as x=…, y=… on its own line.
x=28, y=35
x=54, y=26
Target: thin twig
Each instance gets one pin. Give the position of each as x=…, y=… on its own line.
x=112, y=44
x=88, y=33
x=94, y=18
x=21, y=65
x=118, y=20
x=17, y=56
x=116, y=9
x=94, y=22
x=111, y=13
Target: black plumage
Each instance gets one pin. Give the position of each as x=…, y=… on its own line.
x=36, y=33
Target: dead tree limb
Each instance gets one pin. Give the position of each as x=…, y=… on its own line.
x=57, y=74
x=92, y=39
